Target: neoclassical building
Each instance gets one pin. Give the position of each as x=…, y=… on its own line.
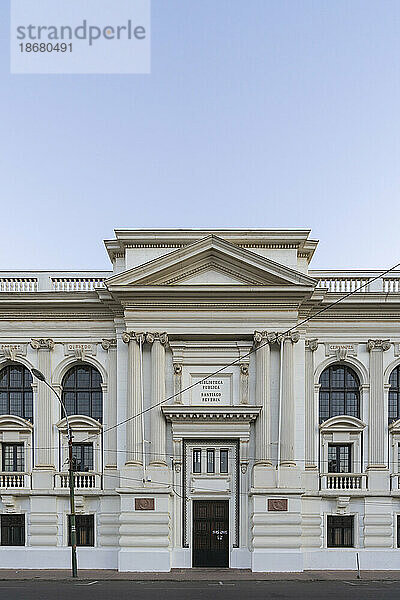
x=220, y=416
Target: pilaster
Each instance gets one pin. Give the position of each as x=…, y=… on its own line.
x=376, y=438
x=134, y=430
x=44, y=417
x=311, y=437
x=287, y=418
x=110, y=413
x=158, y=343
x=264, y=476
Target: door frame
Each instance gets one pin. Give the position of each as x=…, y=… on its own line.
x=234, y=497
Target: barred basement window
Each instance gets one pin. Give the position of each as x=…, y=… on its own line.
x=12, y=530
x=340, y=531
x=84, y=530
x=398, y=531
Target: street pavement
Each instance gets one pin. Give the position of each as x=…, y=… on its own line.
x=199, y=590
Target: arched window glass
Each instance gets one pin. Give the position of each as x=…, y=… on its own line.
x=16, y=394
x=82, y=392
x=339, y=393
x=394, y=395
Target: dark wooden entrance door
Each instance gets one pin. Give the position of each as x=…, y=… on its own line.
x=210, y=533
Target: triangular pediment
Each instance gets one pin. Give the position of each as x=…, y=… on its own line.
x=211, y=261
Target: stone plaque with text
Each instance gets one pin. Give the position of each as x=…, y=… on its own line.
x=213, y=391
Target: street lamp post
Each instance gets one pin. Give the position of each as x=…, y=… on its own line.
x=42, y=378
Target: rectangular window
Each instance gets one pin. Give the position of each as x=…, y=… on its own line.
x=223, y=461
x=196, y=460
x=13, y=458
x=340, y=531
x=398, y=531
x=84, y=530
x=82, y=455
x=210, y=461
x=339, y=458
x=12, y=530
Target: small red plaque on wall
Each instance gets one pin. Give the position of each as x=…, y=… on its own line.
x=144, y=504
x=276, y=504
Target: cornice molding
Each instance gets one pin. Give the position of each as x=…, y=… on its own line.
x=242, y=414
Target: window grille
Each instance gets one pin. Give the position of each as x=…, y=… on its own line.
x=84, y=530
x=340, y=531
x=12, y=530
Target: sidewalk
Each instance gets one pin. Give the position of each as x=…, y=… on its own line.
x=197, y=575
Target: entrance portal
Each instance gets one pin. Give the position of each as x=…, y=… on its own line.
x=210, y=533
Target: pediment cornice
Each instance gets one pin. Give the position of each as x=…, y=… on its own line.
x=239, y=266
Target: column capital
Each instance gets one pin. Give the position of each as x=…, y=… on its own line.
x=108, y=344
x=290, y=336
x=378, y=345
x=312, y=345
x=42, y=344
x=129, y=336
x=260, y=337
x=156, y=336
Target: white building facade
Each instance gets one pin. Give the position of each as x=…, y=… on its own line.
x=222, y=414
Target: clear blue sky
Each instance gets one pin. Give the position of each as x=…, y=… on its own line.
x=258, y=113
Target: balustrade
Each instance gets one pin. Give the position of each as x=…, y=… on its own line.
x=10, y=480
x=81, y=480
x=343, y=481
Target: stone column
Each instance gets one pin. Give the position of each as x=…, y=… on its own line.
x=287, y=418
x=44, y=407
x=134, y=437
x=158, y=395
x=110, y=437
x=311, y=432
x=262, y=341
x=376, y=436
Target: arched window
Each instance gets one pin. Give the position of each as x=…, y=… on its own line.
x=16, y=394
x=339, y=392
x=394, y=395
x=82, y=392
